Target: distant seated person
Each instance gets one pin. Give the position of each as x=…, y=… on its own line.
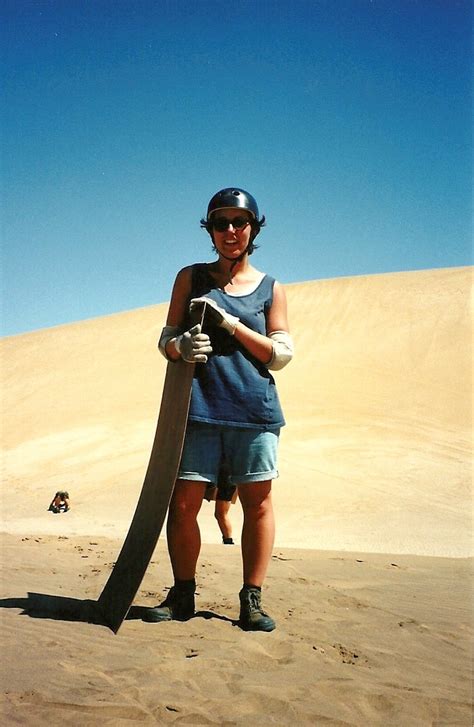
x=60, y=502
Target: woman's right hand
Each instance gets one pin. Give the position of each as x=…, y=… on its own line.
x=193, y=345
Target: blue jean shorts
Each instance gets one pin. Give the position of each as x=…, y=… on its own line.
x=250, y=454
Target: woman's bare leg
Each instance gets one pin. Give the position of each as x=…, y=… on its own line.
x=258, y=532
x=184, y=537
x=221, y=513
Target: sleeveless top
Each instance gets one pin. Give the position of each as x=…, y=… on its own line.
x=233, y=388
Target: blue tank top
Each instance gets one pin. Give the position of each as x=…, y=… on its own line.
x=233, y=388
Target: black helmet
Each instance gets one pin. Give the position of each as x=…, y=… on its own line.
x=233, y=197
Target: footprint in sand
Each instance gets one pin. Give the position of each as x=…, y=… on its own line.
x=348, y=656
x=411, y=623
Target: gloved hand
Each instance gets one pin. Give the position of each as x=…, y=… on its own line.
x=193, y=346
x=216, y=314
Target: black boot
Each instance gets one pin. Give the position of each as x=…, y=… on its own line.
x=252, y=617
x=177, y=606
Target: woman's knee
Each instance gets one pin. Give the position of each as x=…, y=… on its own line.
x=187, y=500
x=256, y=496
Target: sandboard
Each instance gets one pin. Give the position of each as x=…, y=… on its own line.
x=145, y=528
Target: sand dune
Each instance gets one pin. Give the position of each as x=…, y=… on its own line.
x=376, y=453
x=374, y=627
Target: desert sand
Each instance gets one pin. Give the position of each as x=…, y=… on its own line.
x=370, y=577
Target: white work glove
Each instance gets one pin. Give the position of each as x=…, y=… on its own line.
x=216, y=314
x=193, y=346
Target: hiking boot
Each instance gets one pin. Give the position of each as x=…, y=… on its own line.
x=252, y=617
x=177, y=606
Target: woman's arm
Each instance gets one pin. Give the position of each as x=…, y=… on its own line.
x=177, y=309
x=261, y=347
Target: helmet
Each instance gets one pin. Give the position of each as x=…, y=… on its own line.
x=233, y=197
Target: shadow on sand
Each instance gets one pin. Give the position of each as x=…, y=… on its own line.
x=62, y=608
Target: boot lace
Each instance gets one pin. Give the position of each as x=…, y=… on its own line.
x=254, y=602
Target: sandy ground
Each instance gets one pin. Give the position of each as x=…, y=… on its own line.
x=361, y=639
x=370, y=582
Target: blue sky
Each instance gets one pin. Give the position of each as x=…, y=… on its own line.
x=349, y=121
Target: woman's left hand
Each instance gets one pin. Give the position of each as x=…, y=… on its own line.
x=217, y=315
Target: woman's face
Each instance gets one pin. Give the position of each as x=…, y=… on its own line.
x=233, y=240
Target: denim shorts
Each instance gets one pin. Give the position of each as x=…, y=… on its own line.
x=250, y=454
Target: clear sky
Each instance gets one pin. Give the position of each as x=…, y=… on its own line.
x=348, y=120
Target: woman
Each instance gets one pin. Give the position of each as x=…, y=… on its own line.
x=235, y=412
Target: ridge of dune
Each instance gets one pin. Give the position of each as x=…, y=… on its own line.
x=376, y=452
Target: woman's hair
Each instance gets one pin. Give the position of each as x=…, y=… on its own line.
x=256, y=225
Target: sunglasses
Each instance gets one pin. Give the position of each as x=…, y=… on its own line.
x=221, y=224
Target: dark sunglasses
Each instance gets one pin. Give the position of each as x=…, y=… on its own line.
x=221, y=224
